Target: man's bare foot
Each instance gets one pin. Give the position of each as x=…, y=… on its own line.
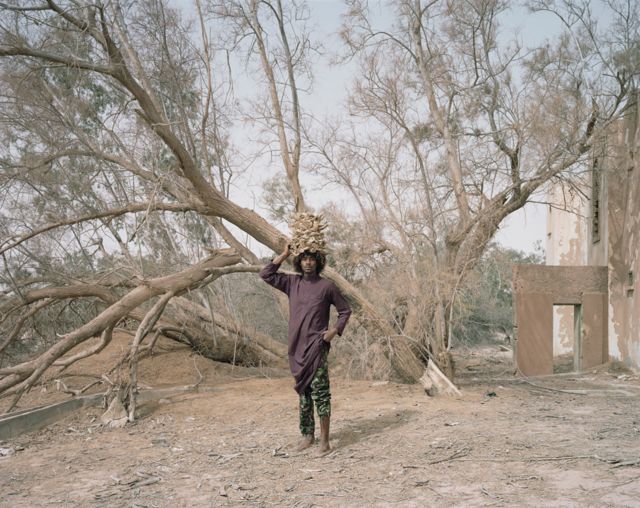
x=325, y=423
x=325, y=448
x=305, y=443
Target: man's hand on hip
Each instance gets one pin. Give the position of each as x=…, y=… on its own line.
x=329, y=334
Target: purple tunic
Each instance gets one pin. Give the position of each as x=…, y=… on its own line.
x=309, y=303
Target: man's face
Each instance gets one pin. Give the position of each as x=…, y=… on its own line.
x=308, y=264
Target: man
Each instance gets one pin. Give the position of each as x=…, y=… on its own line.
x=310, y=298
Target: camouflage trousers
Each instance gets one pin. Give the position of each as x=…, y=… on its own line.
x=318, y=393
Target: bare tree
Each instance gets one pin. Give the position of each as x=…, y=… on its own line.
x=454, y=130
x=107, y=142
x=117, y=163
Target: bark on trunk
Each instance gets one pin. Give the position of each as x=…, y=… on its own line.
x=21, y=377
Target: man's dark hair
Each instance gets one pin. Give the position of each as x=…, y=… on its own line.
x=321, y=260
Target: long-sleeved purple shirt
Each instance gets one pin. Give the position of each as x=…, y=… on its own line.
x=309, y=304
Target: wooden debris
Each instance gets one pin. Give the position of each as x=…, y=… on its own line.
x=143, y=479
x=278, y=453
x=489, y=494
x=142, y=482
x=116, y=415
x=7, y=452
x=308, y=233
x=625, y=463
x=435, y=382
x=455, y=456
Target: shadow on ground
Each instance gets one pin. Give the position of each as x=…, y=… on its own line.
x=362, y=428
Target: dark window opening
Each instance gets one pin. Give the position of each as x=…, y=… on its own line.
x=595, y=202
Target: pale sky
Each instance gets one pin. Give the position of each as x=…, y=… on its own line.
x=520, y=231
x=523, y=229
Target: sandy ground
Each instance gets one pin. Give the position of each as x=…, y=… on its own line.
x=569, y=440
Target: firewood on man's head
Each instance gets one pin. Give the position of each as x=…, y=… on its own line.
x=307, y=233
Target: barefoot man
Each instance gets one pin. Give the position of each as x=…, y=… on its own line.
x=310, y=297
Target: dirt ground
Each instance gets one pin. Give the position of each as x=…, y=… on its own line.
x=566, y=440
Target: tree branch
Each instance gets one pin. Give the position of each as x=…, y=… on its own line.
x=72, y=62
x=132, y=208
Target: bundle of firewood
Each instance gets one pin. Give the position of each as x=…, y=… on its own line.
x=307, y=233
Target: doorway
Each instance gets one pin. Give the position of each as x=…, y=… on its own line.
x=567, y=325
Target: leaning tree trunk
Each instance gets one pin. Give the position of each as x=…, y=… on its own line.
x=19, y=378
x=403, y=358
x=117, y=62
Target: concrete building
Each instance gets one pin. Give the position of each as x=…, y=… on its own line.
x=614, y=234
x=593, y=253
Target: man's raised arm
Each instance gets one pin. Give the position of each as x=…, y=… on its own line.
x=270, y=274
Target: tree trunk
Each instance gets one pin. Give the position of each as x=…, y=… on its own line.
x=18, y=378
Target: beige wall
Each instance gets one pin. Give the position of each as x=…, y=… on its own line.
x=622, y=176
x=567, y=218
x=571, y=240
x=567, y=233
x=536, y=290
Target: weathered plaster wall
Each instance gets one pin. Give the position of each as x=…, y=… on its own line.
x=536, y=290
x=622, y=173
x=567, y=217
x=566, y=245
x=617, y=246
x=567, y=284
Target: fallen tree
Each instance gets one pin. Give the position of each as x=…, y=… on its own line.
x=116, y=157
x=112, y=56
x=16, y=379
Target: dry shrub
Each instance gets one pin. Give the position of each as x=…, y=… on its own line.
x=358, y=355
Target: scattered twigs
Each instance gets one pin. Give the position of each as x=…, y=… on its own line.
x=624, y=463
x=557, y=390
x=531, y=459
x=143, y=479
x=615, y=485
x=412, y=466
x=489, y=494
x=463, y=452
x=514, y=480
x=143, y=482
x=460, y=454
